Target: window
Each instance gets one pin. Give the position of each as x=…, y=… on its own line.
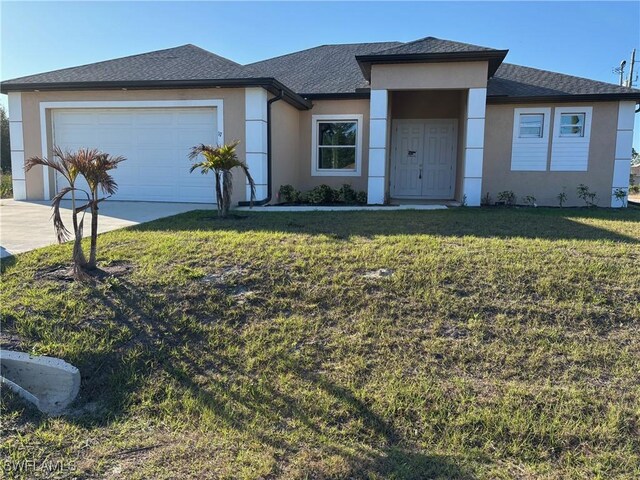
x=531, y=125
x=571, y=138
x=572, y=124
x=336, y=145
x=530, y=142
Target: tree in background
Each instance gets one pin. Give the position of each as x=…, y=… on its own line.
x=635, y=157
x=5, y=148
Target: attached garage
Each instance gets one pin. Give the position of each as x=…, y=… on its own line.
x=155, y=142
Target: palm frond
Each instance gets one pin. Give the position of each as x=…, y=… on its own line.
x=62, y=233
x=252, y=183
x=201, y=149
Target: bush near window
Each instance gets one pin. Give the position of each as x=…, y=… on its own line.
x=323, y=194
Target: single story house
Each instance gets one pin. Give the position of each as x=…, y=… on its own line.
x=428, y=120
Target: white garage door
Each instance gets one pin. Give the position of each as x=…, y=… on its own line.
x=155, y=142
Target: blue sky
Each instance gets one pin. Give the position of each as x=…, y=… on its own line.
x=581, y=38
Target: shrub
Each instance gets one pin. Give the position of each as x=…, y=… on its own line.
x=321, y=194
x=346, y=194
x=634, y=189
x=486, y=199
x=562, y=198
x=507, y=198
x=590, y=198
x=6, y=187
x=288, y=194
x=620, y=195
x=529, y=200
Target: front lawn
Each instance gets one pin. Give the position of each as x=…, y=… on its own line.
x=467, y=343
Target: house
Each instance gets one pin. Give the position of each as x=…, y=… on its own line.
x=409, y=122
x=635, y=175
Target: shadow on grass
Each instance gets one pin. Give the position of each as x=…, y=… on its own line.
x=161, y=351
x=540, y=223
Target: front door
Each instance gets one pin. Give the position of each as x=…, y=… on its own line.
x=424, y=159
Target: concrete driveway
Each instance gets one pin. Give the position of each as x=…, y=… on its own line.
x=26, y=226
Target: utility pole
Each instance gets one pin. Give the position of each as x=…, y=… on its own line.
x=631, y=64
x=620, y=70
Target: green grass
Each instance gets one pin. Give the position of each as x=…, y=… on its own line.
x=504, y=344
x=6, y=187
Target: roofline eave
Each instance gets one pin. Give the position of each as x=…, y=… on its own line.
x=271, y=84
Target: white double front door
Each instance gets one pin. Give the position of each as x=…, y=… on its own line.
x=423, y=159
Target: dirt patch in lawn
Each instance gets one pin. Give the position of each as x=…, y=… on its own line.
x=64, y=273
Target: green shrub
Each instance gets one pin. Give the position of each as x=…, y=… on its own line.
x=288, y=194
x=6, y=187
x=507, y=197
x=562, y=198
x=590, y=198
x=321, y=194
x=346, y=194
x=529, y=200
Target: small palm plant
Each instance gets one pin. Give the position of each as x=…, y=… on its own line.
x=93, y=165
x=66, y=164
x=95, y=170
x=221, y=160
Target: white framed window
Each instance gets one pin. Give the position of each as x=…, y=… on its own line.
x=531, y=125
x=530, y=141
x=571, y=136
x=572, y=124
x=336, y=142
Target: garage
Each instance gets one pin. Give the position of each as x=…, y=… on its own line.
x=155, y=142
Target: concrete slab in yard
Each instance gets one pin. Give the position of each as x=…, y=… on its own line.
x=26, y=226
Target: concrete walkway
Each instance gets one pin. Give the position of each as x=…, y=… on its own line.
x=26, y=226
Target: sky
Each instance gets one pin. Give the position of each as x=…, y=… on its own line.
x=581, y=38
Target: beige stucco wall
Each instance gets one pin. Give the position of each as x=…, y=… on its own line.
x=336, y=107
x=285, y=147
x=446, y=75
x=545, y=186
x=234, y=124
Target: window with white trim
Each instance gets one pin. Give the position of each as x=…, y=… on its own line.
x=571, y=136
x=572, y=124
x=337, y=145
x=531, y=125
x=530, y=142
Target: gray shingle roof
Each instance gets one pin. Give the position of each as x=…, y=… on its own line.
x=433, y=45
x=187, y=62
x=324, y=69
x=518, y=81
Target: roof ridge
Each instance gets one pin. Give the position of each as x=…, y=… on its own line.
x=209, y=53
x=322, y=46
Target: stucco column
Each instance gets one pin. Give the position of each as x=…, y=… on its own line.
x=17, y=146
x=474, y=146
x=622, y=160
x=377, y=146
x=256, y=139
